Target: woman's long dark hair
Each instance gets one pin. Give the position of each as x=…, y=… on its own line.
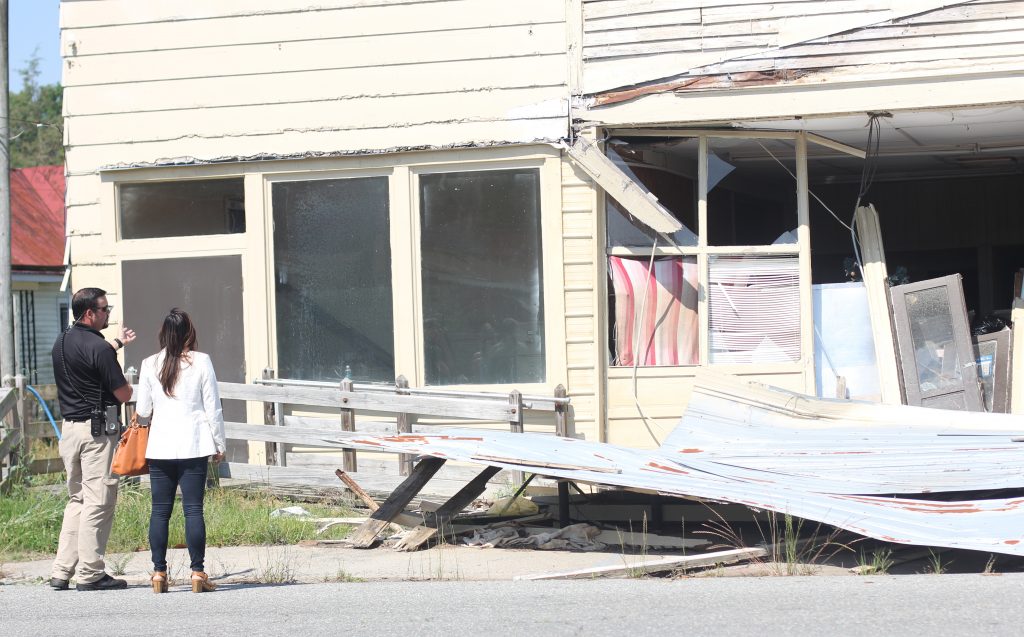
x=177, y=336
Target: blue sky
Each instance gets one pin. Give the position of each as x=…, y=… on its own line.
x=32, y=24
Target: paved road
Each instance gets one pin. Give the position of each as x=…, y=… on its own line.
x=871, y=606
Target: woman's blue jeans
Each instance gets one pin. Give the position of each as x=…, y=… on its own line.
x=165, y=476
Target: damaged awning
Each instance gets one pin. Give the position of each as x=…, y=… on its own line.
x=634, y=197
x=838, y=462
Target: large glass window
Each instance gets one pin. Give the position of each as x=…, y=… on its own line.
x=482, y=283
x=182, y=208
x=332, y=274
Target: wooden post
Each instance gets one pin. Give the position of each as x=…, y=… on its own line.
x=348, y=423
x=404, y=427
x=22, y=413
x=132, y=376
x=282, y=461
x=269, y=419
x=364, y=536
x=561, y=413
x=515, y=423
x=563, y=504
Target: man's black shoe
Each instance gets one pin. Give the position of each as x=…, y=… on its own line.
x=105, y=583
x=59, y=584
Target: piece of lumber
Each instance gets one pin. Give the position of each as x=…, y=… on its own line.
x=357, y=490
x=366, y=535
x=872, y=251
x=1017, y=358
x=438, y=519
x=655, y=565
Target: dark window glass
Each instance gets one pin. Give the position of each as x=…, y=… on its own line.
x=182, y=208
x=332, y=272
x=483, y=308
x=751, y=192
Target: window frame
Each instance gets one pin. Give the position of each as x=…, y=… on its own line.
x=403, y=174
x=703, y=251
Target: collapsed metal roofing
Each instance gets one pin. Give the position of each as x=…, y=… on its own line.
x=837, y=462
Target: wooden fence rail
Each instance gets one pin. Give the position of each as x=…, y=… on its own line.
x=355, y=407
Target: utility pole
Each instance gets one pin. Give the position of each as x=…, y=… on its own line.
x=6, y=291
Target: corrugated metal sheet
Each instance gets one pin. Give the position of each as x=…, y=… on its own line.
x=836, y=462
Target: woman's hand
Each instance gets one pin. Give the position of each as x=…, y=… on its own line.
x=217, y=457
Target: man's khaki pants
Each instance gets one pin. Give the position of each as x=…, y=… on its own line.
x=89, y=514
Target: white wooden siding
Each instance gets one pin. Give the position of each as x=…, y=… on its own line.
x=627, y=42
x=153, y=81
x=584, y=345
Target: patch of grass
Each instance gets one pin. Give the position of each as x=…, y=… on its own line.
x=990, y=566
x=30, y=521
x=635, y=572
x=275, y=567
x=118, y=564
x=342, y=576
x=879, y=562
x=935, y=564
x=792, y=548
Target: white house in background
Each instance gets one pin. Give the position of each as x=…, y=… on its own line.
x=388, y=185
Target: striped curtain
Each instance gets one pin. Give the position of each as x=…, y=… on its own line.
x=667, y=327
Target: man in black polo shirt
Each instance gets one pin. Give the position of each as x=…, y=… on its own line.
x=89, y=378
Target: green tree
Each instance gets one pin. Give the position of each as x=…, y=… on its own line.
x=35, y=120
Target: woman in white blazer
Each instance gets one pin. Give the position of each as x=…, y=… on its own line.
x=178, y=395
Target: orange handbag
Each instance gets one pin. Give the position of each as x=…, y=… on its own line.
x=130, y=456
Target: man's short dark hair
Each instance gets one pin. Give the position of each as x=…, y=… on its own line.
x=85, y=300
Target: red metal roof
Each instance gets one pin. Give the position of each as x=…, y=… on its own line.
x=37, y=217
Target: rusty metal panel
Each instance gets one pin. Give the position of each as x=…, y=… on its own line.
x=837, y=462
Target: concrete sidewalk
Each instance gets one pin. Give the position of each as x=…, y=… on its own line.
x=278, y=564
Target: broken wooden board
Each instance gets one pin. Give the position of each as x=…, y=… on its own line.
x=422, y=534
x=872, y=251
x=366, y=535
x=655, y=565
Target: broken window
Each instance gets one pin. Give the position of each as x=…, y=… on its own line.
x=182, y=208
x=482, y=277
x=737, y=199
x=751, y=192
x=668, y=170
x=332, y=275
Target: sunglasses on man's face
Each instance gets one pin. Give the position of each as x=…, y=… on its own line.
x=105, y=308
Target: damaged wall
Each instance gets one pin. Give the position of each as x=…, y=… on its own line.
x=815, y=49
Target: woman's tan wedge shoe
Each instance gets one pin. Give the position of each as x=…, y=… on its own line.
x=159, y=580
x=201, y=582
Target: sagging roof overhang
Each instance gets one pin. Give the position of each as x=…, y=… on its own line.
x=634, y=197
x=837, y=462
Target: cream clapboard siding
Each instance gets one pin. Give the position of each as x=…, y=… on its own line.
x=849, y=38
x=192, y=80
x=584, y=343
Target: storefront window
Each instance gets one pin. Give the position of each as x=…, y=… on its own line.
x=482, y=277
x=332, y=275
